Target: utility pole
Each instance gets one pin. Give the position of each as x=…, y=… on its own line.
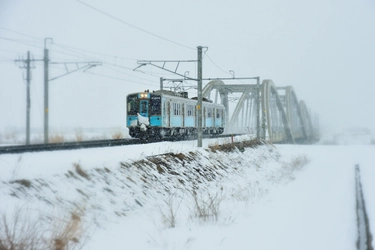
x=46, y=60
x=27, y=64
x=46, y=85
x=161, y=83
x=199, y=106
x=28, y=78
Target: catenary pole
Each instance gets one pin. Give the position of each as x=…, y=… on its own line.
x=199, y=107
x=26, y=64
x=28, y=79
x=46, y=59
x=161, y=83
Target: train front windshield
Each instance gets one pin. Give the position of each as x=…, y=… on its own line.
x=144, y=108
x=150, y=105
x=133, y=105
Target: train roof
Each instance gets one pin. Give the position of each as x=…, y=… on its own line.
x=176, y=94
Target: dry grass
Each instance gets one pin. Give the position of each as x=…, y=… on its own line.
x=23, y=182
x=291, y=167
x=230, y=147
x=10, y=136
x=80, y=172
x=169, y=209
x=79, y=135
x=67, y=232
x=117, y=134
x=297, y=163
x=206, y=206
x=56, y=139
x=26, y=229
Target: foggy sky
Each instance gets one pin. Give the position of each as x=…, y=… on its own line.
x=324, y=49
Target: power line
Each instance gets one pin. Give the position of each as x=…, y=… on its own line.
x=72, y=49
x=4, y=59
x=118, y=71
x=78, y=53
x=105, y=62
x=19, y=33
x=20, y=41
x=215, y=63
x=133, y=26
x=120, y=79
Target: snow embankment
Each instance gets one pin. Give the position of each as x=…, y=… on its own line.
x=177, y=196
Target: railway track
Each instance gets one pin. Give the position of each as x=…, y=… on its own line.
x=87, y=144
x=364, y=241
x=67, y=146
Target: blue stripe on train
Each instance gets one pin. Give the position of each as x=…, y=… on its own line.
x=218, y=123
x=209, y=122
x=189, y=122
x=176, y=121
x=130, y=120
x=155, y=121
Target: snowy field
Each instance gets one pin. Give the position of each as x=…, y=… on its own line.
x=272, y=197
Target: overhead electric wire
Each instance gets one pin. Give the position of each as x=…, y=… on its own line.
x=133, y=26
x=215, y=63
x=92, y=52
x=116, y=78
x=79, y=53
x=19, y=33
x=118, y=71
x=105, y=62
x=20, y=41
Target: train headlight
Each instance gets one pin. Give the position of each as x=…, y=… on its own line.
x=143, y=95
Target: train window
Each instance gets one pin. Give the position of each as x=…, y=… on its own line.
x=155, y=105
x=209, y=112
x=190, y=110
x=217, y=113
x=143, y=109
x=176, y=108
x=133, y=105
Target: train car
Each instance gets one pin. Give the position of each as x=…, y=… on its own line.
x=165, y=113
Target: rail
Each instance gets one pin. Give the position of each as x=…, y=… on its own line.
x=89, y=144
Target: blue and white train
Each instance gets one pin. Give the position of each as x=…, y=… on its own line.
x=165, y=113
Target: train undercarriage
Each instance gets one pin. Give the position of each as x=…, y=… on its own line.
x=157, y=133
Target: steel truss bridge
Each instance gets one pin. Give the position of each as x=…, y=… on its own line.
x=265, y=111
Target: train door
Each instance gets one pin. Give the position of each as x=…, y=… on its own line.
x=143, y=109
x=183, y=115
x=169, y=113
x=214, y=110
x=204, y=117
x=165, y=114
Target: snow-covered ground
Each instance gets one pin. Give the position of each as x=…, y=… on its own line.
x=282, y=197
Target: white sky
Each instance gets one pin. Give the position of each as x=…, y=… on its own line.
x=324, y=49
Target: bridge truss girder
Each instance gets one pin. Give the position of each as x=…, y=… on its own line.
x=275, y=120
x=249, y=96
x=282, y=119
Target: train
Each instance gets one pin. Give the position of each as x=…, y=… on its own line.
x=163, y=113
